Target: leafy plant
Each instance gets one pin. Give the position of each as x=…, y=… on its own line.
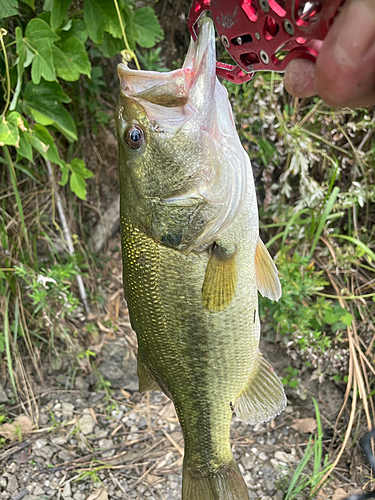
x=290, y=379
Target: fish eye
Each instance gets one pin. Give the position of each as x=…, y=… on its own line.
x=135, y=137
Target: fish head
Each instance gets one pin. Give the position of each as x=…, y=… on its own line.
x=177, y=145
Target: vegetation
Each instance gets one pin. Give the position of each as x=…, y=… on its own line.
x=314, y=167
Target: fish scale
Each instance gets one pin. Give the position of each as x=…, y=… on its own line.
x=193, y=263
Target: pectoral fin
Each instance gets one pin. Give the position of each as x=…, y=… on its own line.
x=263, y=397
x=220, y=281
x=146, y=382
x=267, y=278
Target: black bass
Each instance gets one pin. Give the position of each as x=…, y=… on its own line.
x=193, y=261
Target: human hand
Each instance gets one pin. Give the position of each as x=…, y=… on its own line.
x=344, y=72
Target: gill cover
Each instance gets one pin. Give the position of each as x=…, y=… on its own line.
x=192, y=169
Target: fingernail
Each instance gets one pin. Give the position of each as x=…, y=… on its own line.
x=355, y=32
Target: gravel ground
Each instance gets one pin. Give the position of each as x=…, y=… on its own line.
x=79, y=440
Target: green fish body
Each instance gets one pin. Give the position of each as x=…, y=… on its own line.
x=193, y=262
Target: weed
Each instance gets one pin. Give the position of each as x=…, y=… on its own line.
x=305, y=481
x=290, y=378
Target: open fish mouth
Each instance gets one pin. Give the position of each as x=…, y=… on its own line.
x=171, y=89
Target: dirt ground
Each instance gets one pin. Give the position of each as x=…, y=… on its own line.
x=85, y=439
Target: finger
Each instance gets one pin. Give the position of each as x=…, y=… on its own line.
x=345, y=68
x=299, y=75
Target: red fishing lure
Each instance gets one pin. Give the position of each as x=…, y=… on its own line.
x=265, y=35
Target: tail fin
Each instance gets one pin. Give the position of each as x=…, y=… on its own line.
x=225, y=483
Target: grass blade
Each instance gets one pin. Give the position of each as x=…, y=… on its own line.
x=13, y=178
x=359, y=244
x=298, y=471
x=7, y=346
x=323, y=217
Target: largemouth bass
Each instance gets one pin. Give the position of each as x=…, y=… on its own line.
x=193, y=261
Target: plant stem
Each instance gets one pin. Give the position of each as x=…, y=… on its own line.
x=68, y=237
x=3, y=32
x=13, y=178
x=131, y=52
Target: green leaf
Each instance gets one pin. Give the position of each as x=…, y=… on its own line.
x=148, y=28
x=101, y=16
x=38, y=30
x=293, y=383
x=65, y=173
x=30, y=3
x=330, y=317
x=347, y=319
x=8, y=8
x=111, y=46
x=25, y=150
x=78, y=186
x=76, y=30
x=77, y=179
x=10, y=129
x=79, y=167
x=39, y=38
x=43, y=142
x=47, y=98
x=59, y=9
x=71, y=60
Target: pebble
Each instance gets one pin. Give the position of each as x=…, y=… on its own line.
x=79, y=496
x=262, y=456
x=39, y=443
x=86, y=424
x=67, y=491
x=67, y=410
x=59, y=440
x=12, y=485
x=286, y=458
x=248, y=461
x=38, y=491
x=3, y=482
x=104, y=444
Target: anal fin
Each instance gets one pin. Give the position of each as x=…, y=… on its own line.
x=263, y=397
x=220, y=281
x=267, y=278
x=146, y=382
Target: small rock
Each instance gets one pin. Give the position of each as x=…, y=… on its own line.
x=248, y=461
x=39, y=443
x=100, y=433
x=82, y=385
x=21, y=495
x=67, y=410
x=105, y=444
x=286, y=458
x=13, y=468
x=45, y=452
x=67, y=491
x=117, y=414
x=262, y=456
x=65, y=455
x=274, y=463
x=3, y=482
x=59, y=440
x=86, y=424
x=79, y=496
x=12, y=485
x=38, y=490
x=270, y=486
